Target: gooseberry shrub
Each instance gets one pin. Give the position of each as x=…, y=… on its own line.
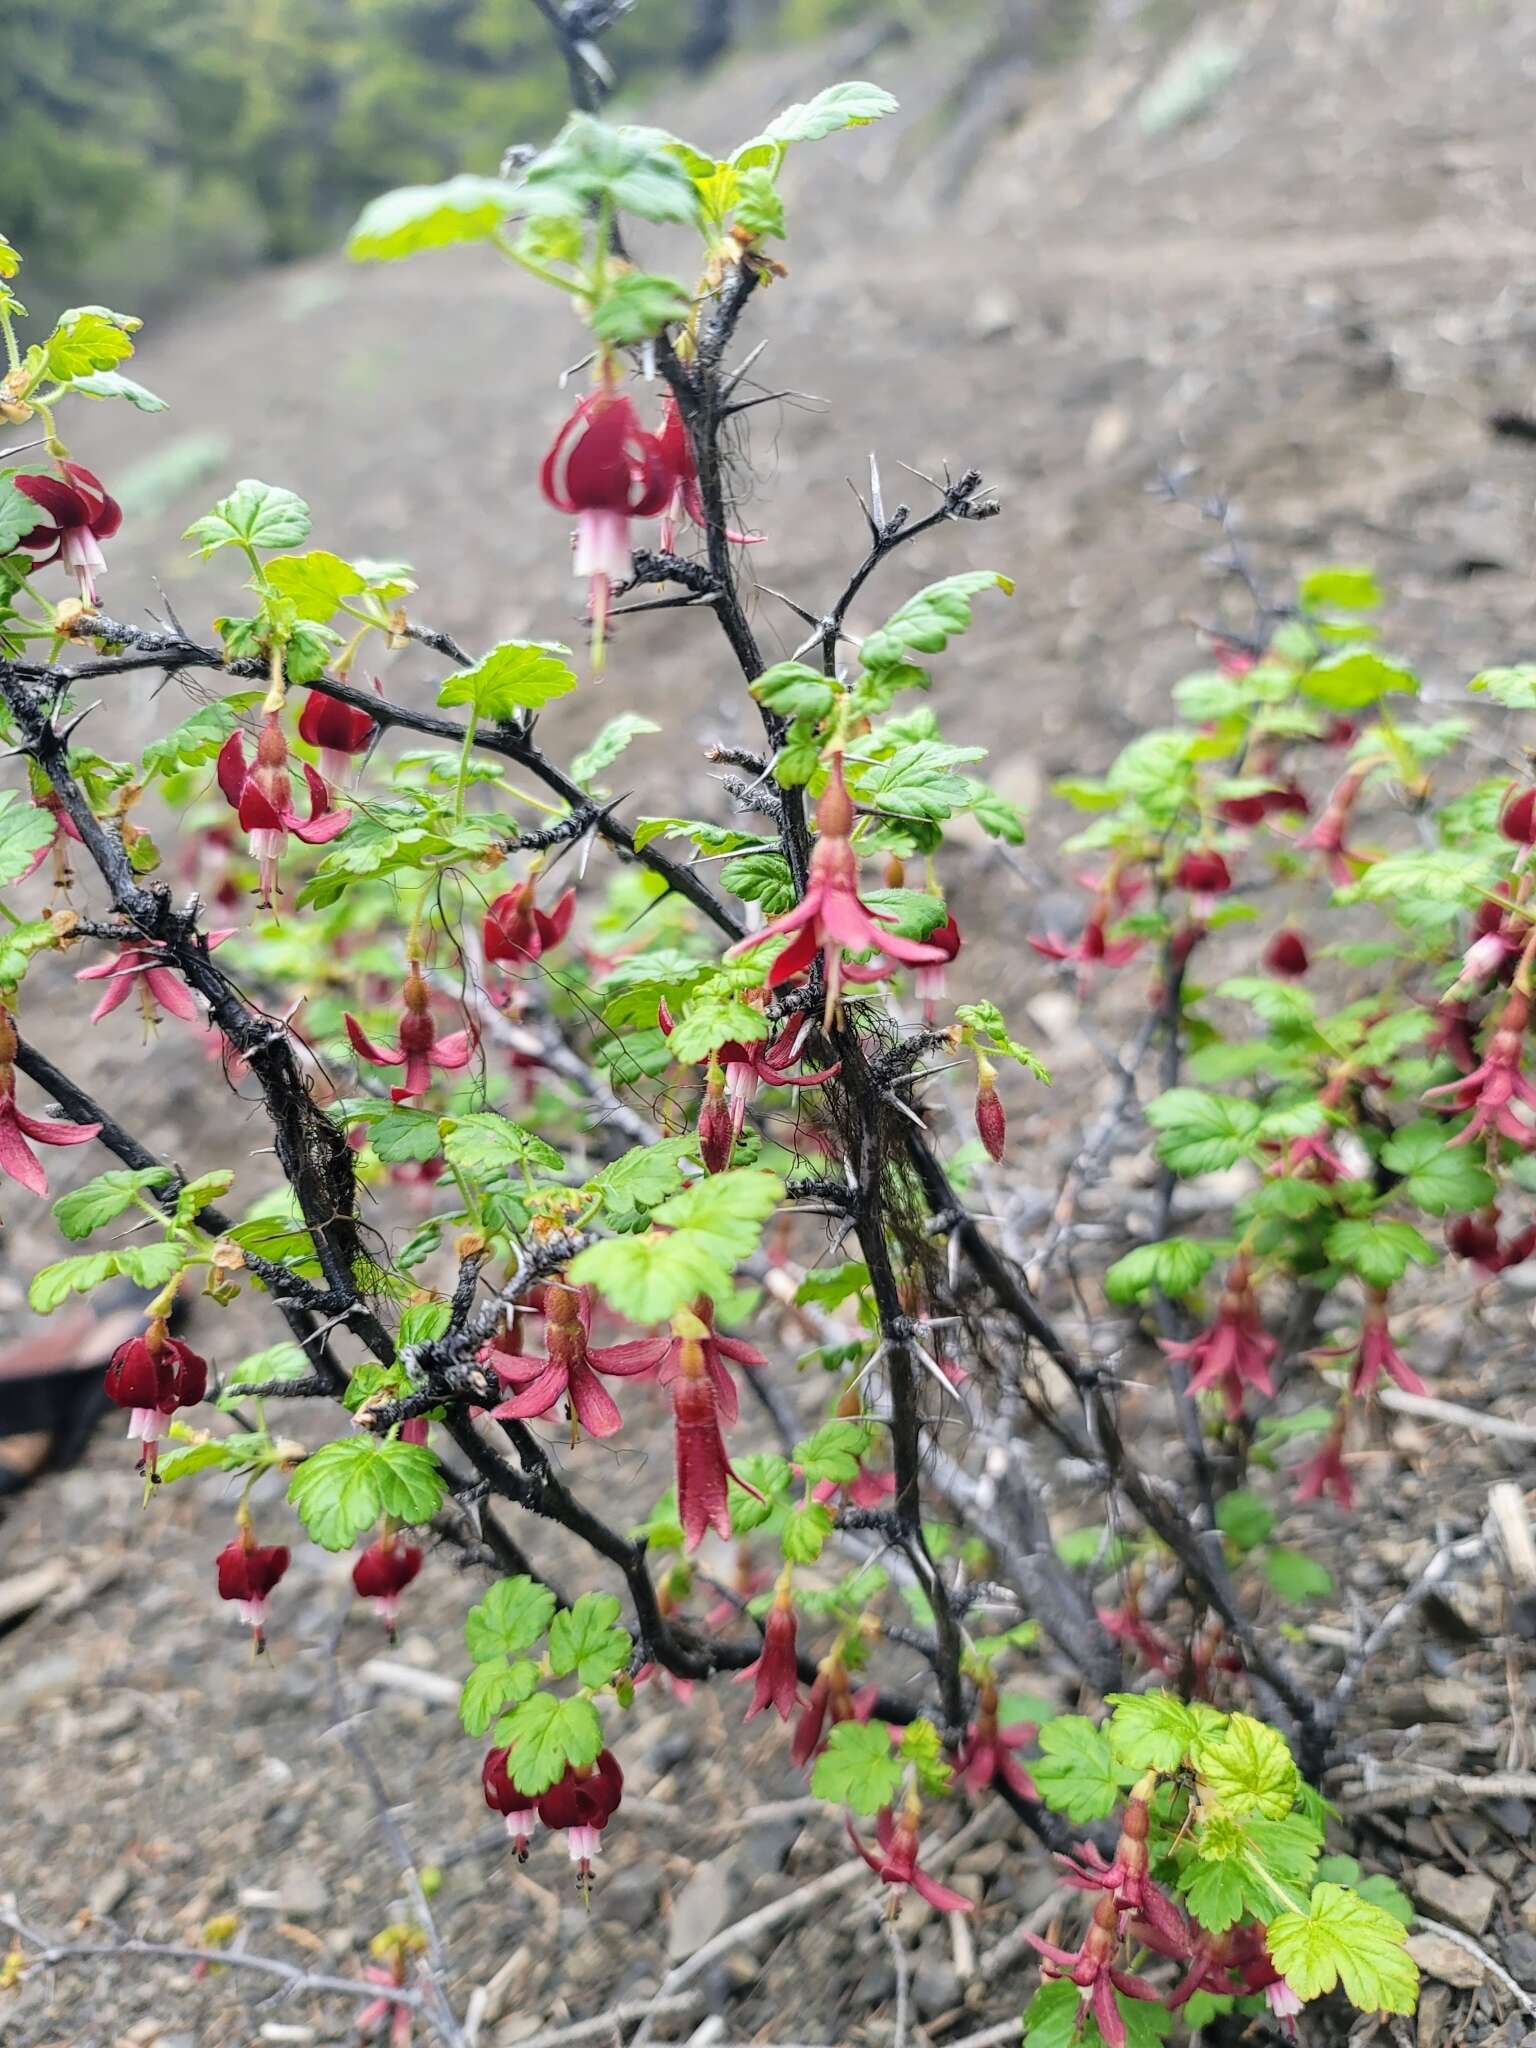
x=575, y=1097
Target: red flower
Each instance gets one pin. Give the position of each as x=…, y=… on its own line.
x=1517, y=819
x=897, y=1862
x=382, y=1574
x=831, y=915
x=1287, y=954
x=518, y=1809
x=583, y=1803
x=676, y=447
x=262, y=797
x=152, y=1376
x=1126, y=1879
x=703, y=1465
x=1235, y=1352
x=419, y=1049
x=248, y=1571
x=933, y=981
x=663, y=1356
x=1374, y=1353
x=1327, y=835
x=603, y=467
x=986, y=1758
x=1090, y=948
x=17, y=1159
x=570, y=1370
x=339, y=731
x=516, y=929
x=139, y=967
x=56, y=848
x=759, y=1062
x=775, y=1678
x=831, y=1695
x=80, y=516
x=1325, y=1472
x=1127, y=1625
x=1094, y=1970
x=1264, y=803
x=1204, y=874
x=864, y=1490
x=716, y=1133
x=1493, y=1088
x=1477, y=1238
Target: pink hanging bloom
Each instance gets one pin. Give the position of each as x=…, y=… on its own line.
x=386, y=2012
x=1205, y=874
x=583, y=1803
x=248, y=1571
x=81, y=515
x=382, y=1574
x=1090, y=948
x=517, y=930
x=1095, y=1972
x=865, y=1490
x=933, y=981
x=141, y=969
x=55, y=849
x=716, y=1135
x=1235, y=1352
x=684, y=502
x=152, y=1376
x=1126, y=1880
x=18, y=1162
x=663, y=1356
x=520, y=1812
x=1287, y=954
x=1493, y=1088
x=759, y=1062
x=606, y=469
x=262, y=797
x=1374, y=1353
x=775, y=1677
x=1477, y=1238
x=1127, y=1624
x=831, y=916
x=832, y=1697
x=569, y=1371
x=704, y=1468
x=419, y=1049
x=339, y=731
x=897, y=1864
x=1327, y=835
x=986, y=1757
x=1325, y=1474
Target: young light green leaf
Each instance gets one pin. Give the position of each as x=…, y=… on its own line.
x=726, y=1210
x=1513, y=687
x=1378, y=1249
x=519, y=675
x=56, y=1283
x=1200, y=1133
x=926, y=621
x=1243, y=1519
x=112, y=384
x=254, y=515
x=1340, y=588
x=606, y=748
x=1354, y=678
x=1295, y=1576
x=1175, y=1267
x=1149, y=1731
x=854, y=104
x=415, y=217
x=1438, y=1177
x=714, y=1020
x=805, y=1532
x=1247, y=1769
x=585, y=1639
x=410, y=1481
x=315, y=583
x=1343, y=1938
x=795, y=690
x=493, y=1687
x=336, y=1492
x=85, y=1209
x=545, y=1736
x=277, y=1362
x=1076, y=1771
x=858, y=1767
x=835, y=1451
x=636, y=307
x=512, y=1616
x=649, y=1277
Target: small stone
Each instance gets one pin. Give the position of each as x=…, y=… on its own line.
x=935, y=1988
x=520, y=2028
x=109, y=1891
x=1434, y=2007
x=1437, y=1956
x=700, y=1910
x=986, y=1859
x=994, y=315
x=1465, y=1901
x=632, y=1897
x=1528, y=1913
x=877, y=1984
x=1520, y=1956
x=303, y=1893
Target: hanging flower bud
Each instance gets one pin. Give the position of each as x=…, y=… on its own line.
x=583, y=1803
x=517, y=931
x=703, y=1465
x=520, y=1813
x=605, y=469
x=152, y=1376
x=1325, y=1472
x=774, y=1676
x=419, y=1048
x=339, y=731
x=382, y=1574
x=248, y=1571
x=1287, y=954
x=717, y=1130
x=1517, y=820
x=991, y=1120
x=933, y=980
x=1204, y=873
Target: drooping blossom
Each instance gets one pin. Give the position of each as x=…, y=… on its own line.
x=1233, y=1964
x=1497, y=1083
x=896, y=1861
x=569, y=1369
x=932, y=982
x=382, y=1574
x=1090, y=948
x=1282, y=799
x=81, y=515
x=419, y=1049
x=1374, y=1353
x=1477, y=1238
x=704, y=1468
x=386, y=2013
x=760, y=1062
x=516, y=930
x=774, y=1676
x=663, y=1356
x=604, y=468
x=583, y=1803
x=341, y=733
x=1127, y=1879
x=262, y=798
x=1127, y=1624
x=141, y=970
x=1327, y=835
x=55, y=849
x=991, y=1118
x=518, y=1809
x=865, y=1489
x=831, y=1698
x=1094, y=1970
x=831, y=917
x=1452, y=1035
x=248, y=1571
x=1235, y=1352
x=1325, y=1475
x=684, y=501
x=1205, y=874
x=1517, y=816
x=1287, y=954
x=986, y=1756
x=152, y=1376
x=17, y=1159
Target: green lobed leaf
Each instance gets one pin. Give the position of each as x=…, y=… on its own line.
x=85, y=1209
x=835, y=1451
x=1340, y=587
x=1200, y=1133
x=636, y=307
x=416, y=217
x=726, y=1210
x=795, y=690
x=858, y=1767
x=1354, y=678
x=1438, y=1177
x=926, y=621
x=805, y=1532
x=336, y=1492
x=493, y=1687
x=87, y=339
x=590, y=164
x=112, y=384
x=255, y=515
x=607, y=746
x=1243, y=1519
x=1247, y=1769
x=278, y=1362
x=1174, y=1267
x=410, y=1481
x=712, y=1021
x=1295, y=1576
x=315, y=583
x=760, y=878
x=56, y=1283
x=512, y=1616
x=518, y=675
x=1379, y=1249
x=1076, y=1772
x=545, y=1736
x=1513, y=687
x=649, y=1277
x=1149, y=1730
x=854, y=104
x=1342, y=1938
x=585, y=1639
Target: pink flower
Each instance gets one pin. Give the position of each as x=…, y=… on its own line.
x=1517, y=819
x=831, y=916
x=704, y=1469
x=933, y=981
x=381, y=2012
x=684, y=502
x=419, y=1049
x=1325, y=1473
x=716, y=1135
x=603, y=467
x=248, y=1571
x=1093, y=1968
x=1493, y=1088
x=382, y=1574
x=759, y=1062
x=262, y=797
x=56, y=848
x=152, y=1376
x=897, y=1862
x=17, y=1159
x=986, y=1758
x=864, y=1490
x=663, y=1356
x=1477, y=1238
x=1327, y=835
x=775, y=1678
x=1126, y=1879
x=1090, y=948
x=1374, y=1353
x=1127, y=1625
x=339, y=731
x=516, y=929
x=583, y=1803
x=1287, y=954
x=518, y=1810
x=141, y=968
x=1205, y=874
x=80, y=516
x=570, y=1369
x=1235, y=1352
